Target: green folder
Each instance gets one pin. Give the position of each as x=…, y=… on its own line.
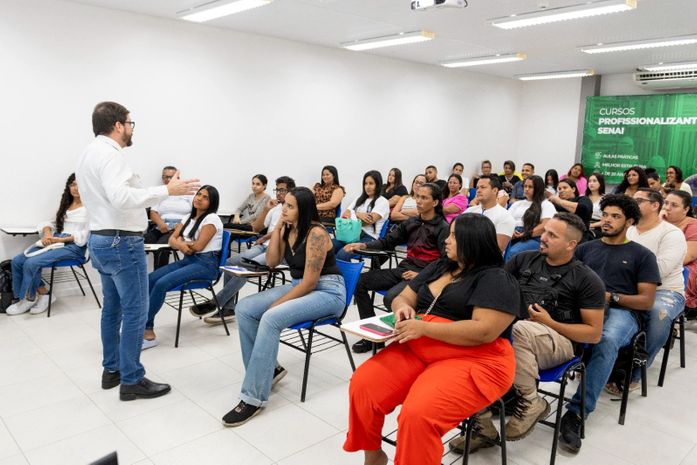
x=389, y=319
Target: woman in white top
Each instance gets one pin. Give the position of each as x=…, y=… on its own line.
x=674, y=179
x=595, y=192
x=370, y=208
x=406, y=206
x=69, y=229
x=530, y=216
x=200, y=238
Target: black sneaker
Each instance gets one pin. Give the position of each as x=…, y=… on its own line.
x=110, y=379
x=240, y=414
x=201, y=310
x=278, y=374
x=214, y=319
x=365, y=345
x=570, y=432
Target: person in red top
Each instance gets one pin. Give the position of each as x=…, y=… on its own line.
x=451, y=356
x=424, y=235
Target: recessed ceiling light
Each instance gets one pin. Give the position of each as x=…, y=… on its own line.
x=565, y=13
x=681, y=66
x=639, y=44
x=556, y=75
x=200, y=14
x=388, y=41
x=485, y=60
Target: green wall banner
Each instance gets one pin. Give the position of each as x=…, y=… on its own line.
x=646, y=130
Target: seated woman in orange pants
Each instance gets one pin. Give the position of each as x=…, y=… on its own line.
x=449, y=364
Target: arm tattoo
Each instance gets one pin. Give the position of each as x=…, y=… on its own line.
x=316, y=253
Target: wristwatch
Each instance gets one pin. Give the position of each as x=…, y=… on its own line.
x=615, y=297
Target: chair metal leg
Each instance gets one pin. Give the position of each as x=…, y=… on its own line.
x=681, y=326
x=179, y=317
x=50, y=292
x=78, y=281
x=348, y=350
x=468, y=440
x=220, y=310
x=308, y=353
x=502, y=428
x=557, y=417
x=625, y=390
x=89, y=281
x=664, y=361
x=583, y=401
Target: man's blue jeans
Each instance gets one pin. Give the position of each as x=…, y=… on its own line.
x=618, y=329
x=339, y=247
x=233, y=284
x=198, y=266
x=122, y=266
x=260, y=328
x=26, y=271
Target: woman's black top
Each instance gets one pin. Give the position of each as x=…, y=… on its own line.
x=399, y=191
x=296, y=261
x=487, y=287
x=584, y=209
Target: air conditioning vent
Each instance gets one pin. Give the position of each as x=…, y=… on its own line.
x=667, y=80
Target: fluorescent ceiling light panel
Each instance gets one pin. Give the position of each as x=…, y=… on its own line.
x=552, y=15
x=639, y=44
x=682, y=66
x=388, y=41
x=201, y=14
x=487, y=60
x=556, y=75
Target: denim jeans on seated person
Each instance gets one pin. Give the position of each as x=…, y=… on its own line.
x=123, y=269
x=339, y=246
x=522, y=246
x=26, y=271
x=202, y=266
x=260, y=328
x=659, y=323
x=233, y=284
x=618, y=329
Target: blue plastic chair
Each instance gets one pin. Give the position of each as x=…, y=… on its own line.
x=197, y=284
x=680, y=320
x=561, y=374
x=294, y=337
x=71, y=264
x=472, y=193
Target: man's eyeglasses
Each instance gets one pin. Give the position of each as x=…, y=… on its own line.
x=640, y=200
x=166, y=178
x=132, y=123
x=280, y=191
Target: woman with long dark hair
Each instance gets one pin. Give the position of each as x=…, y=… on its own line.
x=674, y=180
x=595, y=193
x=634, y=178
x=253, y=205
x=551, y=181
x=530, y=215
x=575, y=173
x=569, y=199
x=451, y=356
x=406, y=206
x=317, y=290
x=394, y=189
x=199, y=237
x=70, y=229
x=370, y=208
x=328, y=194
x=454, y=202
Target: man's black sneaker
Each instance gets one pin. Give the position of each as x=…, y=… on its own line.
x=110, y=379
x=240, y=414
x=365, y=345
x=214, y=319
x=144, y=389
x=201, y=310
x=570, y=432
x=278, y=374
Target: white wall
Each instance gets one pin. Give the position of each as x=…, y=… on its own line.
x=224, y=105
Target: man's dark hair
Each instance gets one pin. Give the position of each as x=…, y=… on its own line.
x=575, y=226
x=288, y=181
x=509, y=163
x=653, y=175
x=629, y=206
x=169, y=167
x=106, y=115
x=493, y=180
x=458, y=164
x=431, y=167
x=654, y=196
x=530, y=165
x=486, y=162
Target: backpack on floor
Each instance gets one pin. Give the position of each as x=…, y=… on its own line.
x=5, y=285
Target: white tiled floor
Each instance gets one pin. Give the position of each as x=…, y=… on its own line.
x=53, y=411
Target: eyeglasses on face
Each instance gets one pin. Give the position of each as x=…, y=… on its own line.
x=132, y=123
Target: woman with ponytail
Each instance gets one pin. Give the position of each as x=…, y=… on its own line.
x=69, y=229
x=199, y=237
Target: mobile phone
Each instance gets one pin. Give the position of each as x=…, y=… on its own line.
x=375, y=329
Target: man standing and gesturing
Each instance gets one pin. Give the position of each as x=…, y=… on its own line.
x=111, y=193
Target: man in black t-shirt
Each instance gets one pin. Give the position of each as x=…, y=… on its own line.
x=565, y=301
x=630, y=273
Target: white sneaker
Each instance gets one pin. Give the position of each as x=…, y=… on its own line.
x=20, y=307
x=42, y=304
x=149, y=344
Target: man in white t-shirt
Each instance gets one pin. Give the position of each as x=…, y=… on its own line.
x=268, y=219
x=165, y=216
x=668, y=244
x=488, y=188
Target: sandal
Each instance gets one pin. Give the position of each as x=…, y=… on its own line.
x=616, y=390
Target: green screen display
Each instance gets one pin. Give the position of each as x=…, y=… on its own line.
x=646, y=130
